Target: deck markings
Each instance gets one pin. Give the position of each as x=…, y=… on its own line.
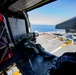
x=52, y=40
x=58, y=48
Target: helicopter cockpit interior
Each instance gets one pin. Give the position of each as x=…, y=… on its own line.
x=19, y=52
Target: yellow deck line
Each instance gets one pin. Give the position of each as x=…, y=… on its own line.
x=63, y=45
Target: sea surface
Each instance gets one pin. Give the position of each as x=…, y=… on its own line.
x=44, y=28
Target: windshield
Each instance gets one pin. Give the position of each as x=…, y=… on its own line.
x=44, y=20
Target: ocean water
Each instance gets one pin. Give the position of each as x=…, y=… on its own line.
x=44, y=28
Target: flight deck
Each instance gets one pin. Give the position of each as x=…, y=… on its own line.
x=53, y=44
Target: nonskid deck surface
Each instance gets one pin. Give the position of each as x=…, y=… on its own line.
x=55, y=45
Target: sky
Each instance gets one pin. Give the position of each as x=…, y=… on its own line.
x=53, y=13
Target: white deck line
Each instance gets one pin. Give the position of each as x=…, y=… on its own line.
x=55, y=50
x=58, y=48
x=52, y=40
